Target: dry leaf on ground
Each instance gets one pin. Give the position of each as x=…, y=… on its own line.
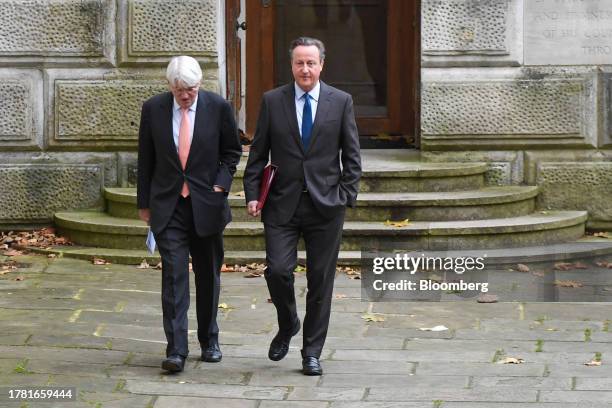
x=144, y=265
x=225, y=306
x=593, y=363
x=12, y=252
x=538, y=274
x=487, y=298
x=511, y=360
x=434, y=329
x=340, y=296
x=580, y=265
x=100, y=261
x=254, y=274
x=372, y=317
x=158, y=266
x=225, y=268
x=604, y=264
x=601, y=235
x=568, y=284
x=398, y=224
x=522, y=268
x=563, y=266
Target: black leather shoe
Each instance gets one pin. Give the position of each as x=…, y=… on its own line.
x=174, y=364
x=279, y=347
x=311, y=366
x=212, y=353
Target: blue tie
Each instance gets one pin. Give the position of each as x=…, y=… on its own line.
x=306, y=121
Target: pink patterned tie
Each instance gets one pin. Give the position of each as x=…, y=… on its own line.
x=183, y=148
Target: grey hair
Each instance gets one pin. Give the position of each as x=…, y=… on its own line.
x=184, y=69
x=306, y=41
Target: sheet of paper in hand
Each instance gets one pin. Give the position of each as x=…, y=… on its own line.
x=150, y=241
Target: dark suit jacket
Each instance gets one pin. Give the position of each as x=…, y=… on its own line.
x=334, y=140
x=214, y=153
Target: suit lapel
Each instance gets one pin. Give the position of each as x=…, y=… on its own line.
x=290, y=114
x=198, y=126
x=165, y=118
x=323, y=106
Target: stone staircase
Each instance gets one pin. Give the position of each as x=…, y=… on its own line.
x=448, y=205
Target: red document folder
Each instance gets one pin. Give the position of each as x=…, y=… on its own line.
x=266, y=181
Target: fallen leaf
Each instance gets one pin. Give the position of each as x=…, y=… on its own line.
x=4, y=246
x=225, y=306
x=253, y=274
x=434, y=329
x=158, y=266
x=538, y=274
x=372, y=317
x=487, y=298
x=568, y=284
x=100, y=261
x=604, y=264
x=593, y=363
x=143, y=265
x=511, y=360
x=300, y=268
x=522, y=268
x=340, y=296
x=398, y=224
x=241, y=268
x=12, y=252
x=52, y=256
x=563, y=266
x=225, y=268
x=601, y=235
x=580, y=265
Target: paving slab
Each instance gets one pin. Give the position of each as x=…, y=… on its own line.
x=99, y=328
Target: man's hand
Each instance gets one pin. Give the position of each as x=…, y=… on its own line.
x=252, y=208
x=218, y=189
x=144, y=214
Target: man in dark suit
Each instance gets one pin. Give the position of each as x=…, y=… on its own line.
x=308, y=129
x=188, y=149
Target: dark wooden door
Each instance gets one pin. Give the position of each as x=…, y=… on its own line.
x=373, y=52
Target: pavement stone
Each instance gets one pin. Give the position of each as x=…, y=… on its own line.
x=98, y=328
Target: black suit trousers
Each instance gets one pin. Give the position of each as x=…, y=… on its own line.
x=322, y=237
x=175, y=243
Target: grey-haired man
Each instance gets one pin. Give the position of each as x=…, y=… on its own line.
x=188, y=149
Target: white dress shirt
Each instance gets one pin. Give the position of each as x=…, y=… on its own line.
x=176, y=120
x=299, y=102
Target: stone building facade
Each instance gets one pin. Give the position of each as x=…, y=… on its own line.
x=523, y=85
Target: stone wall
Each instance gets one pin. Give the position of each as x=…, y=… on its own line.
x=526, y=86
x=73, y=76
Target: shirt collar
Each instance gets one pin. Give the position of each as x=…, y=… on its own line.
x=314, y=94
x=191, y=108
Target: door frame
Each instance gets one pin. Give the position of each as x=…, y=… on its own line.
x=404, y=71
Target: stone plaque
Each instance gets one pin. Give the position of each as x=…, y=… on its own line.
x=568, y=32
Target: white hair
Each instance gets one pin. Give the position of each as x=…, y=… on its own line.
x=185, y=70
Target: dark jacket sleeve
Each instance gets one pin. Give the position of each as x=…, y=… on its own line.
x=258, y=154
x=351, y=155
x=146, y=158
x=229, y=148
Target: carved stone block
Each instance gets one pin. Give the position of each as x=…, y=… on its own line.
x=152, y=31
x=471, y=32
x=33, y=192
x=576, y=186
x=91, y=109
x=57, y=31
x=523, y=109
x=21, y=113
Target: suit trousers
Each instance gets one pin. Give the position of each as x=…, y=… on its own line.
x=322, y=237
x=175, y=243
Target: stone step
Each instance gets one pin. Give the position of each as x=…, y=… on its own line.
x=571, y=251
x=542, y=228
x=405, y=176
x=486, y=203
